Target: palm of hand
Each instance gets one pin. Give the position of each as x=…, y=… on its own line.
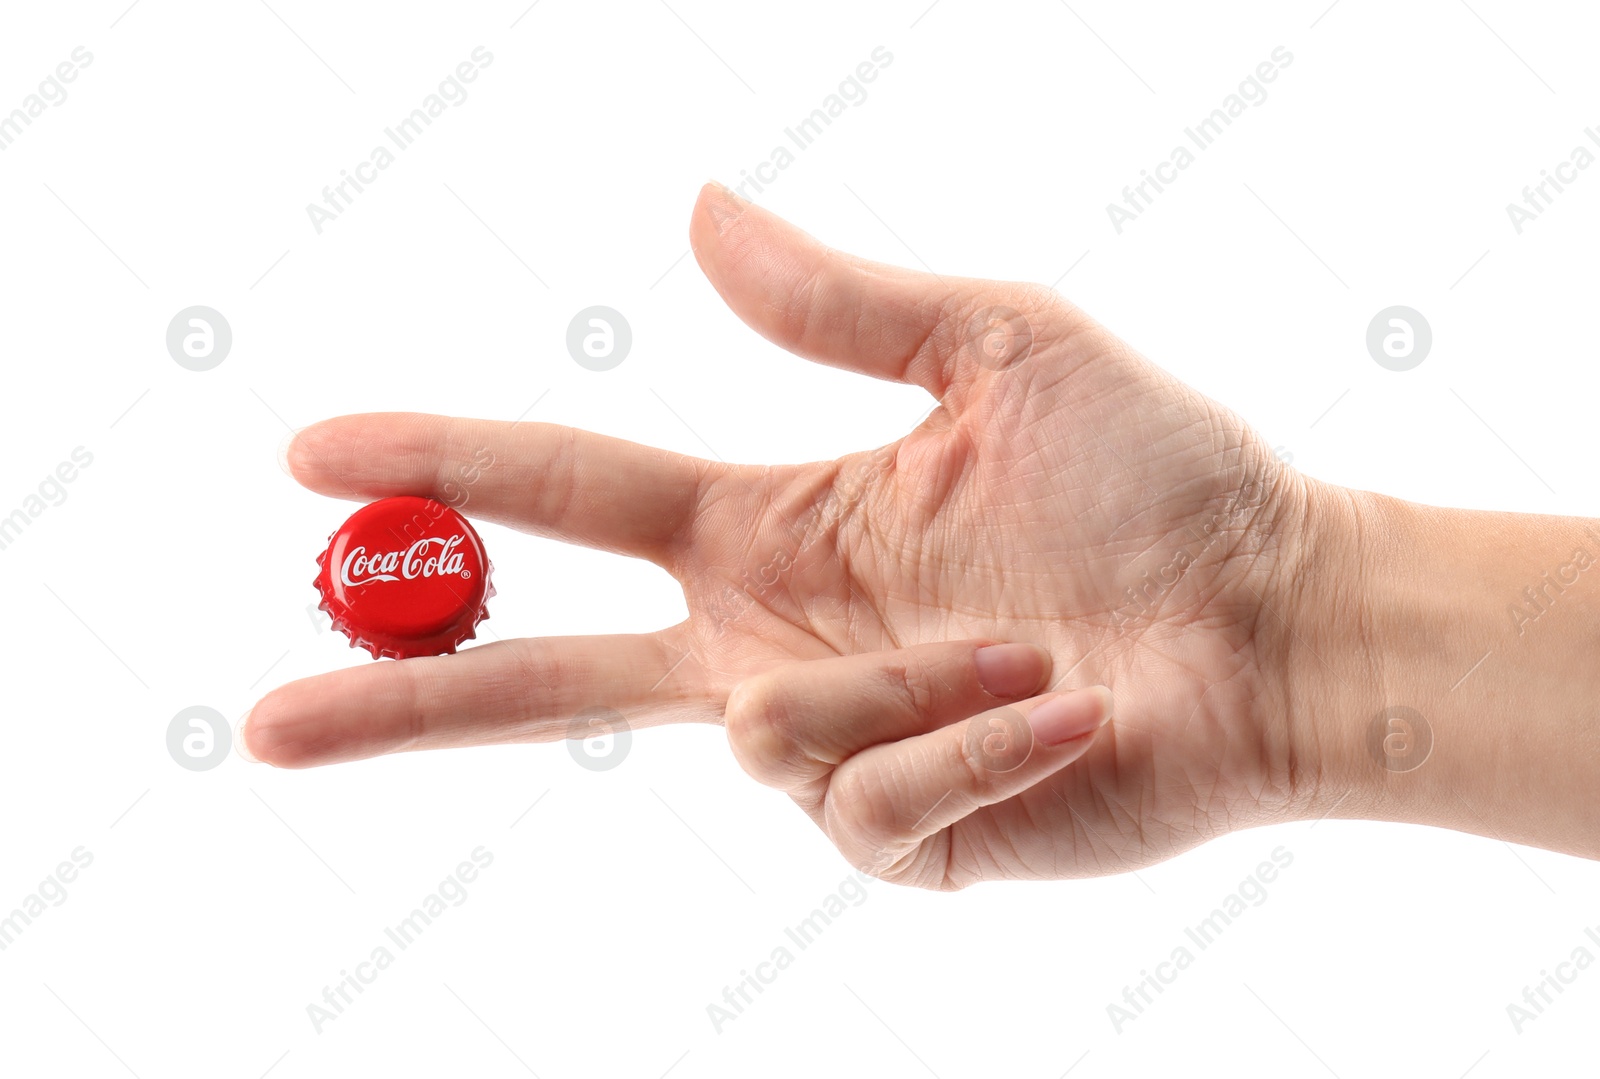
x=1077, y=499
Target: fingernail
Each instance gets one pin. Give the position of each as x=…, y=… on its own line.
x=1011, y=670
x=1071, y=715
x=283, y=453
x=239, y=745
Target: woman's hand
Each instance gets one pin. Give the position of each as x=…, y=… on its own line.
x=913, y=641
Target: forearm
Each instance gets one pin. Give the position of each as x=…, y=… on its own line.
x=1475, y=631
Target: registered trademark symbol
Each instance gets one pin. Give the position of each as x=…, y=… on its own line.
x=466, y=575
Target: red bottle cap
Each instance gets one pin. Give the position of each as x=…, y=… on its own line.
x=405, y=576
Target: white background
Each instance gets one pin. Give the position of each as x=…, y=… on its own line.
x=178, y=570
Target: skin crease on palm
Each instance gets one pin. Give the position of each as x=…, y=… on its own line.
x=1042, y=487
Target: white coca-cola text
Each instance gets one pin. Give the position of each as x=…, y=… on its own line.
x=428, y=557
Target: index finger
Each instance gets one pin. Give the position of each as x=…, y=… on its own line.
x=555, y=481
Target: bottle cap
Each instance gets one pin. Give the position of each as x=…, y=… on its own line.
x=405, y=576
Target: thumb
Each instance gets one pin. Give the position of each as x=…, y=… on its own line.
x=885, y=321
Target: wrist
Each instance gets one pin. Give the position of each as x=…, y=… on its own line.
x=1437, y=668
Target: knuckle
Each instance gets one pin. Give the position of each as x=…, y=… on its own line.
x=761, y=729
x=998, y=325
x=861, y=818
x=974, y=762
x=991, y=744
x=557, y=490
x=869, y=822
x=909, y=688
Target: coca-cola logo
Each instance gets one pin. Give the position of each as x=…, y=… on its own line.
x=432, y=556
